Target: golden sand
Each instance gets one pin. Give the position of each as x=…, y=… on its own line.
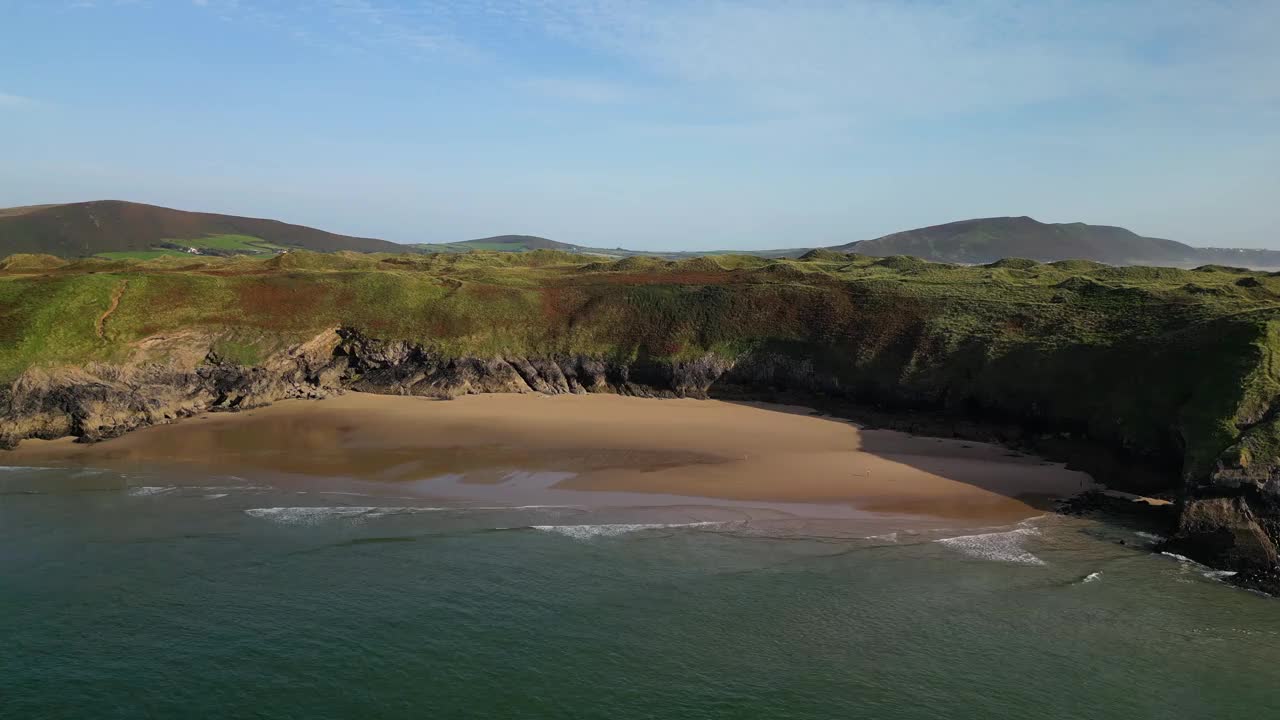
x=695, y=448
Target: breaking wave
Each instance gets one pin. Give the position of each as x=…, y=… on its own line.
x=145, y=490
x=1092, y=577
x=317, y=515
x=1203, y=569
x=587, y=532
x=1001, y=547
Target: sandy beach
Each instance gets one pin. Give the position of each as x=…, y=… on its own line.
x=594, y=445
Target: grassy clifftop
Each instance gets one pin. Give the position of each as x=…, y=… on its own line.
x=1170, y=365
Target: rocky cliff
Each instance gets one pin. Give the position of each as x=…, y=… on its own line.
x=1228, y=518
x=1156, y=380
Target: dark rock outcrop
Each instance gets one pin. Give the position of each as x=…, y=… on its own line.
x=1227, y=530
x=104, y=401
x=400, y=368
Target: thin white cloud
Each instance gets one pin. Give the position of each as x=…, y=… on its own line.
x=877, y=58
x=9, y=101
x=860, y=58
x=419, y=29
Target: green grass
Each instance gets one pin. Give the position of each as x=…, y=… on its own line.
x=443, y=247
x=243, y=243
x=236, y=244
x=141, y=254
x=1159, y=362
x=239, y=244
x=241, y=351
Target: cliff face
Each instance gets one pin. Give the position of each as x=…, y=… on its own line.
x=1157, y=380
x=103, y=401
x=1230, y=518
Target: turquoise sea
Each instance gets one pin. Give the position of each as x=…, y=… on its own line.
x=166, y=594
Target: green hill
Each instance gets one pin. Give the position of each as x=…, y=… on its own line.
x=118, y=230
x=517, y=242
x=500, y=243
x=986, y=240
x=125, y=229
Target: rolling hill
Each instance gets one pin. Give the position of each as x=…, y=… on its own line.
x=119, y=228
x=116, y=229
x=501, y=243
x=985, y=240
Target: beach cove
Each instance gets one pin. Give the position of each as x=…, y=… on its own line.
x=594, y=449
x=523, y=556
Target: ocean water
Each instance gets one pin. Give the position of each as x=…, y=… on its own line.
x=169, y=595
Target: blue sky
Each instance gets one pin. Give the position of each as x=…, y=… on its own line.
x=653, y=124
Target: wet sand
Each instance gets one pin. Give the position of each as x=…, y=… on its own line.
x=532, y=447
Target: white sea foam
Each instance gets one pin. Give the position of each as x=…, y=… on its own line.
x=224, y=487
x=317, y=515
x=1150, y=536
x=21, y=468
x=1002, y=546
x=150, y=490
x=887, y=537
x=1091, y=577
x=307, y=515
x=215, y=496
x=1203, y=569
x=587, y=532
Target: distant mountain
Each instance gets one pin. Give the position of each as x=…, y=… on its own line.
x=518, y=242
x=116, y=227
x=501, y=243
x=523, y=243
x=985, y=240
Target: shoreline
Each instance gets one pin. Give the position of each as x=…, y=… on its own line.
x=599, y=443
